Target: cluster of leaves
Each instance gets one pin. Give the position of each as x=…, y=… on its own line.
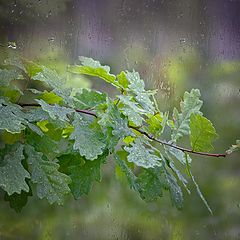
x=56, y=143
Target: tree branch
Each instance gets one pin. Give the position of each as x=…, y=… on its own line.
x=162, y=142
x=77, y=110
x=177, y=147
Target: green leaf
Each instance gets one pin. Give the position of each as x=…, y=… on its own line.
x=131, y=110
x=55, y=111
x=84, y=175
x=202, y=133
x=10, y=138
x=36, y=115
x=12, y=173
x=179, y=175
x=171, y=164
x=151, y=184
x=234, y=147
x=31, y=68
x=46, y=144
x=6, y=76
x=89, y=140
x=142, y=156
x=50, y=97
x=11, y=117
x=137, y=86
x=191, y=105
x=89, y=99
x=35, y=129
x=18, y=201
x=120, y=158
x=51, y=184
x=114, y=119
x=110, y=139
x=93, y=68
x=65, y=94
x=122, y=80
x=174, y=189
x=156, y=123
x=50, y=77
x=144, y=100
x=15, y=62
x=178, y=154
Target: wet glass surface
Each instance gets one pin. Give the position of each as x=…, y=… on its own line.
x=175, y=46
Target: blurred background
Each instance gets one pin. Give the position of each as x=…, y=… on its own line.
x=176, y=46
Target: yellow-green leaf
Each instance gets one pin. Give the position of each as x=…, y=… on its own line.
x=202, y=133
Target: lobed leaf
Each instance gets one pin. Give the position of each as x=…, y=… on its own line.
x=84, y=175
x=191, y=105
x=18, y=201
x=174, y=189
x=15, y=62
x=6, y=76
x=113, y=118
x=89, y=99
x=131, y=110
x=151, y=184
x=51, y=184
x=156, y=123
x=56, y=112
x=12, y=173
x=89, y=140
x=202, y=133
x=137, y=86
x=93, y=68
x=11, y=117
x=122, y=80
x=120, y=158
x=142, y=156
x=50, y=77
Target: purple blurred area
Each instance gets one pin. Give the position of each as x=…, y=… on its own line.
x=105, y=29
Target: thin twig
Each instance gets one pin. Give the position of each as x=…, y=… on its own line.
x=175, y=146
x=77, y=110
x=162, y=142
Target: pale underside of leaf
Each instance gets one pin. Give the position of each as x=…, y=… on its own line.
x=55, y=111
x=11, y=117
x=191, y=104
x=12, y=173
x=88, y=141
x=51, y=184
x=142, y=156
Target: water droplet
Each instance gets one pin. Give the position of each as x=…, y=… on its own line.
x=182, y=40
x=12, y=45
x=51, y=39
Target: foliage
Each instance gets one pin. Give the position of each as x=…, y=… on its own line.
x=55, y=144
